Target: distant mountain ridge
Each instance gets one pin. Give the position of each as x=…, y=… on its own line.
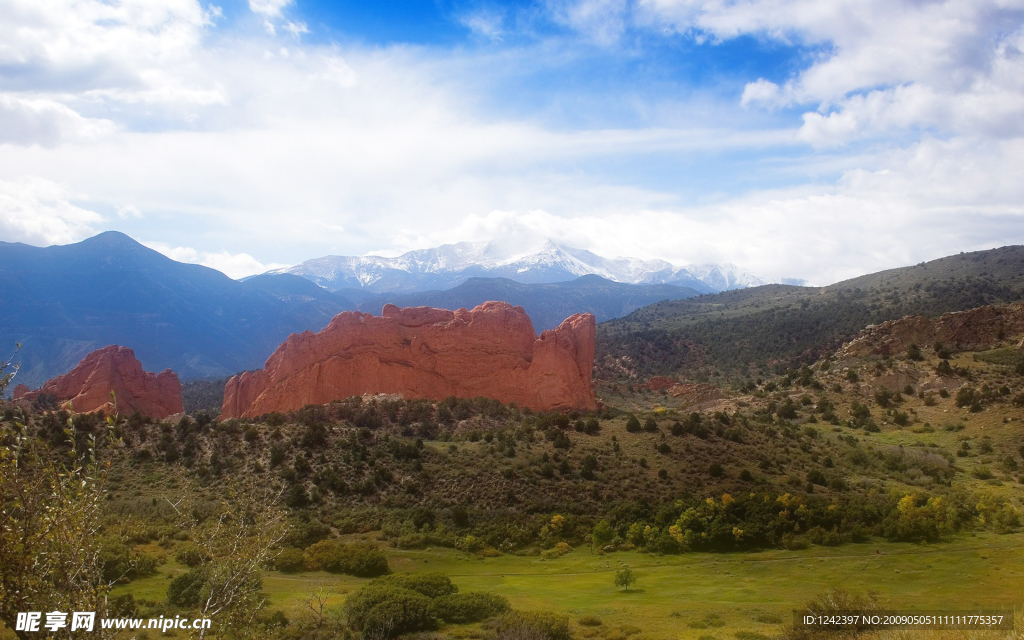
x=748, y=332
x=62, y=302
x=451, y=265
x=546, y=304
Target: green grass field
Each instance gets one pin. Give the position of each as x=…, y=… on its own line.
x=698, y=594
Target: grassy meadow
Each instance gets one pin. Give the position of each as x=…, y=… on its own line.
x=688, y=596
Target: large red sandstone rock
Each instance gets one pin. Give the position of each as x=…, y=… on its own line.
x=116, y=369
x=975, y=329
x=421, y=352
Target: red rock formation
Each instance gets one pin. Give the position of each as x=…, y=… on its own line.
x=420, y=352
x=980, y=328
x=116, y=369
x=20, y=391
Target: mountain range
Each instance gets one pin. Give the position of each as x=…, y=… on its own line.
x=451, y=265
x=62, y=302
x=546, y=304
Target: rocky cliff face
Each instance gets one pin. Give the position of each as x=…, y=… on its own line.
x=116, y=369
x=421, y=352
x=974, y=329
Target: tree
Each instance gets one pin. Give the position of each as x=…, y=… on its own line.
x=633, y=425
x=51, y=557
x=237, y=541
x=602, y=535
x=624, y=577
x=914, y=352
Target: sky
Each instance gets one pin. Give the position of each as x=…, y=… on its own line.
x=812, y=139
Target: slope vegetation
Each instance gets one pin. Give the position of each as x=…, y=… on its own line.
x=741, y=332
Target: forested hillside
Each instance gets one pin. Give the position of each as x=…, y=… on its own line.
x=737, y=333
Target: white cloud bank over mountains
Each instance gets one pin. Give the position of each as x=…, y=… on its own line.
x=899, y=140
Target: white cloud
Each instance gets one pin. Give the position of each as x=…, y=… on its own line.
x=233, y=265
x=45, y=122
x=484, y=22
x=340, y=150
x=601, y=21
x=296, y=29
x=761, y=92
x=268, y=8
x=885, y=65
x=125, y=212
x=37, y=211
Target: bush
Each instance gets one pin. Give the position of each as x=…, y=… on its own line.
x=190, y=555
x=290, y=561
x=633, y=425
x=431, y=584
x=307, y=533
x=460, y=608
x=186, y=589
x=360, y=560
x=385, y=611
x=532, y=625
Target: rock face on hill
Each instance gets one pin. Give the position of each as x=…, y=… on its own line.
x=422, y=352
x=116, y=369
x=974, y=329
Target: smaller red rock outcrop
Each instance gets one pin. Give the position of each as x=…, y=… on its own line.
x=972, y=330
x=116, y=369
x=421, y=352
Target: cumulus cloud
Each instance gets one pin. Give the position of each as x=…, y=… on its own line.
x=233, y=265
x=343, y=149
x=884, y=65
x=46, y=122
x=37, y=211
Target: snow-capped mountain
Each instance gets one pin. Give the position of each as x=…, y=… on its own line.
x=450, y=265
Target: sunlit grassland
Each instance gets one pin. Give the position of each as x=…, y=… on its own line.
x=677, y=596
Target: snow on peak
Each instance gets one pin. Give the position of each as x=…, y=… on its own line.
x=531, y=262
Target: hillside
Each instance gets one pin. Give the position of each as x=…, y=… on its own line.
x=62, y=302
x=742, y=332
x=547, y=304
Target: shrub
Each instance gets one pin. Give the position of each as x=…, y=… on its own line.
x=431, y=584
x=460, y=608
x=589, y=621
x=307, y=533
x=190, y=555
x=715, y=470
x=965, y=397
x=186, y=589
x=650, y=426
x=354, y=559
x=816, y=477
x=290, y=561
x=532, y=625
x=633, y=425
x=359, y=605
x=385, y=611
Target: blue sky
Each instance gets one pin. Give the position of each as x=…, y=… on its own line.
x=810, y=139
